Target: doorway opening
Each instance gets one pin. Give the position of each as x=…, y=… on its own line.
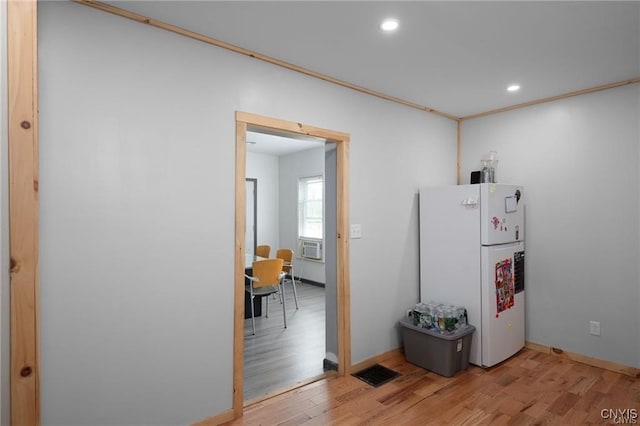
x=335, y=248
x=291, y=215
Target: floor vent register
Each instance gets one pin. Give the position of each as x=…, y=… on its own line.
x=376, y=375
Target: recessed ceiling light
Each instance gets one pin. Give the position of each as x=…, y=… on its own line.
x=513, y=88
x=389, y=25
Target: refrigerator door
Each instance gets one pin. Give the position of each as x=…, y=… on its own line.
x=501, y=213
x=502, y=302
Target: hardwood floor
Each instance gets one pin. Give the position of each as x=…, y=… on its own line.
x=276, y=358
x=531, y=388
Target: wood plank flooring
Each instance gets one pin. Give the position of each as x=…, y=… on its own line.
x=531, y=388
x=276, y=358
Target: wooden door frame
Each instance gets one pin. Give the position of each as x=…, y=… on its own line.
x=22, y=90
x=243, y=121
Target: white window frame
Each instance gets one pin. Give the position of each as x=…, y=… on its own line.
x=303, y=208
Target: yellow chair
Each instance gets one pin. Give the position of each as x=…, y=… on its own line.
x=266, y=279
x=263, y=251
x=287, y=256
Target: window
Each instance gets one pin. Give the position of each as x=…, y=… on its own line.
x=310, y=208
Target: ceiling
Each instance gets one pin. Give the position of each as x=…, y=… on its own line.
x=279, y=145
x=455, y=57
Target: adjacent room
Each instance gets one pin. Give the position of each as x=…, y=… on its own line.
x=136, y=187
x=285, y=214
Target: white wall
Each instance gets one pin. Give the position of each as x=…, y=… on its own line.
x=331, y=253
x=578, y=161
x=301, y=164
x=266, y=168
x=137, y=154
x=388, y=166
x=4, y=228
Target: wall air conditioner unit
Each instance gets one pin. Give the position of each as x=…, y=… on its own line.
x=311, y=249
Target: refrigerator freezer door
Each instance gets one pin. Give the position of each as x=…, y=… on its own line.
x=501, y=213
x=502, y=307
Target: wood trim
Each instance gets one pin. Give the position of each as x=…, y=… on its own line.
x=537, y=347
x=22, y=54
x=238, y=330
x=583, y=359
x=210, y=40
x=243, y=122
x=554, y=98
x=343, y=256
x=289, y=126
x=218, y=419
x=376, y=359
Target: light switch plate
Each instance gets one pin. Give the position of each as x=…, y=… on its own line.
x=356, y=231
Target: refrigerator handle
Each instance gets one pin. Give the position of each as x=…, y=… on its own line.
x=470, y=201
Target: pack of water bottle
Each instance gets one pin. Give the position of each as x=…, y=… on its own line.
x=445, y=319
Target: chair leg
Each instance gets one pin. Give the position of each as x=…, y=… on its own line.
x=284, y=305
x=267, y=315
x=293, y=283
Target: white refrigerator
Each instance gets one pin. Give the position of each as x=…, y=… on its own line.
x=472, y=255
